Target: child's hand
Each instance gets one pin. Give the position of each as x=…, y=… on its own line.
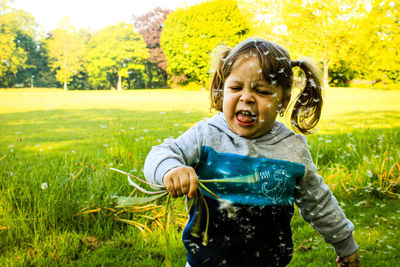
x=352, y=260
x=181, y=181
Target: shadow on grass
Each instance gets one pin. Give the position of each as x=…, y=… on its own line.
x=61, y=130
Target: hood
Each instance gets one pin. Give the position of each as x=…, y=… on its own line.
x=278, y=132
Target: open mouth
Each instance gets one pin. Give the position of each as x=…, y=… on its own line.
x=246, y=118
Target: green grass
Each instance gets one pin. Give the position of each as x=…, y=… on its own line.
x=70, y=140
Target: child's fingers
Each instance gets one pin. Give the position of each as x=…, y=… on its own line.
x=185, y=182
x=169, y=185
x=194, y=181
x=177, y=186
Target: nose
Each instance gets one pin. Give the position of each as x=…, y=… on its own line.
x=247, y=96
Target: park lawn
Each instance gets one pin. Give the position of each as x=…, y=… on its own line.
x=57, y=198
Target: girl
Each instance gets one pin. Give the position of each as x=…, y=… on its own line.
x=255, y=167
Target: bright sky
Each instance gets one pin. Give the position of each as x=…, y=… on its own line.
x=95, y=14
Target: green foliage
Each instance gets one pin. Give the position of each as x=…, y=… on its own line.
x=115, y=52
x=341, y=74
x=358, y=37
x=189, y=35
x=322, y=30
x=376, y=56
x=17, y=33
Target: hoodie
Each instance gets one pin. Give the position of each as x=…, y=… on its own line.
x=258, y=181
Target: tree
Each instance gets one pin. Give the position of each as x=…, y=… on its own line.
x=13, y=23
x=115, y=51
x=377, y=42
x=66, y=49
x=150, y=26
x=189, y=35
x=321, y=29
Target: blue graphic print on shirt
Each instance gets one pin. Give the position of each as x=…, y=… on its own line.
x=247, y=180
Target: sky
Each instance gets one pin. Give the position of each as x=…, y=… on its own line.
x=92, y=14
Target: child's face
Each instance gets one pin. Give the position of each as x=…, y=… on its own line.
x=250, y=103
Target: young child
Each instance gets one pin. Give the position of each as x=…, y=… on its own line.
x=255, y=167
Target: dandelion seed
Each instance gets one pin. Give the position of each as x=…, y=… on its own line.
x=73, y=151
x=187, y=112
x=272, y=75
x=17, y=132
x=281, y=58
x=266, y=53
x=312, y=83
x=369, y=173
x=103, y=126
x=274, y=82
x=360, y=203
x=162, y=112
x=44, y=186
x=316, y=100
x=259, y=71
x=132, y=128
x=12, y=150
x=145, y=130
x=281, y=70
x=251, y=85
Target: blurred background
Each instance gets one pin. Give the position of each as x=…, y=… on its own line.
x=89, y=45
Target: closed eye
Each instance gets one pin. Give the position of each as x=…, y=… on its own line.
x=236, y=88
x=263, y=92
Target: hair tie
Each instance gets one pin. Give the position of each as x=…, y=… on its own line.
x=296, y=63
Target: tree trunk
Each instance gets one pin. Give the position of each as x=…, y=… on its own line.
x=65, y=86
x=326, y=63
x=326, y=75
x=119, y=87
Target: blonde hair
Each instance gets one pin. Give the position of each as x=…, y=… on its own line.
x=276, y=68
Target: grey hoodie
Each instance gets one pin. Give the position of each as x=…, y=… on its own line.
x=274, y=170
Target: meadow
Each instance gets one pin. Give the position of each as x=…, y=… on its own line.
x=58, y=198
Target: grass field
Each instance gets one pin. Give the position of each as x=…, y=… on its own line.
x=57, y=194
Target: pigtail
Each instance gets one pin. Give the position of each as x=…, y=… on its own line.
x=308, y=103
x=217, y=76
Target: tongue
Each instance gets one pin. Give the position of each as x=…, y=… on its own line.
x=245, y=118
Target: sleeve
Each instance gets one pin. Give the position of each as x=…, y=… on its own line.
x=321, y=210
x=173, y=153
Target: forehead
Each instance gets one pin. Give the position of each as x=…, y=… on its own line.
x=247, y=65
